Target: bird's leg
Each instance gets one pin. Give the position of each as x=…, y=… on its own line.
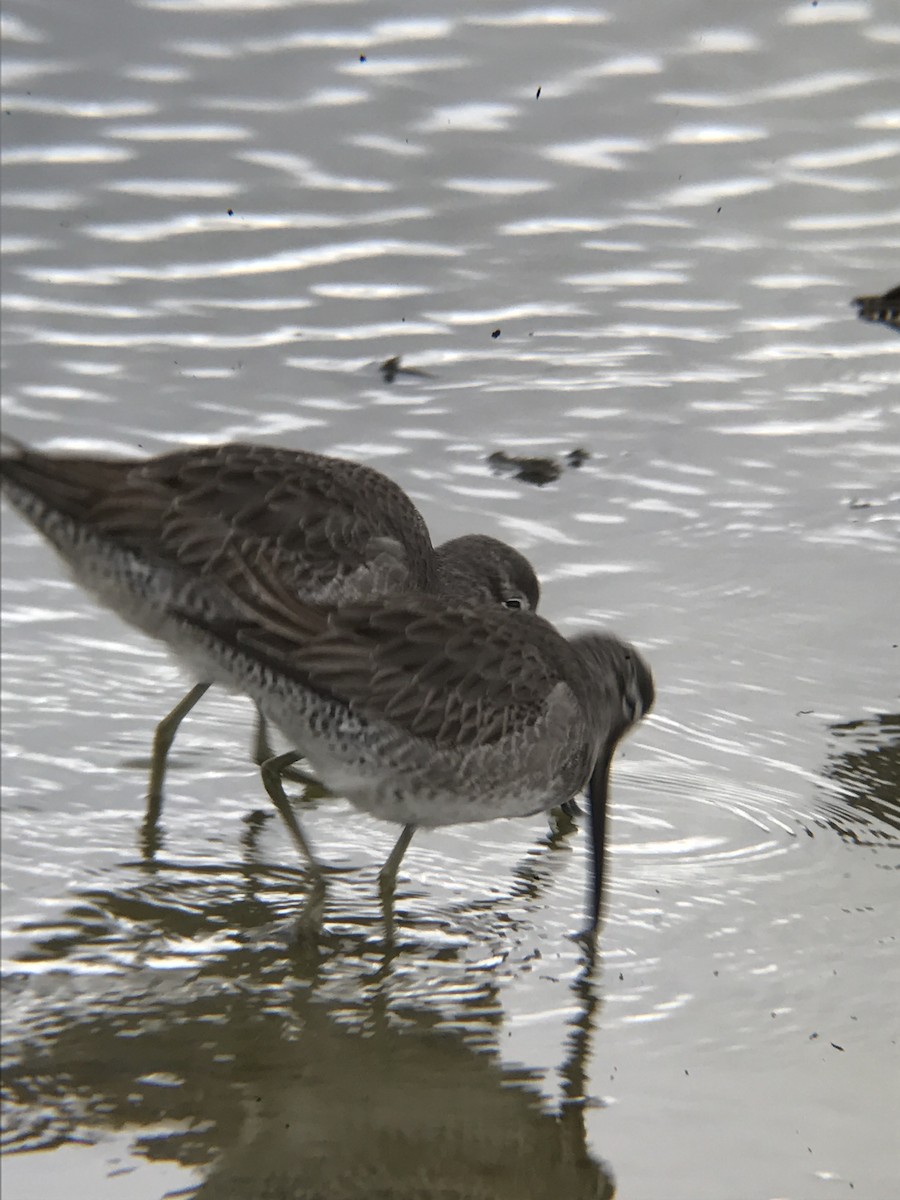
x=162, y=742
x=272, y=771
x=562, y=818
x=263, y=753
x=561, y=823
x=262, y=747
x=387, y=877
x=310, y=921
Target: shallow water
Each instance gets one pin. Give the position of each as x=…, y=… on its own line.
x=218, y=221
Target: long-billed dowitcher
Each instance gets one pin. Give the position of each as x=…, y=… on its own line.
x=426, y=712
x=147, y=535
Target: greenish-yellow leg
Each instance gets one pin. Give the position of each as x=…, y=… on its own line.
x=387, y=878
x=163, y=738
x=264, y=753
x=272, y=771
x=310, y=922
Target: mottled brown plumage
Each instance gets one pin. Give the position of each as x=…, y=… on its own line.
x=148, y=535
x=429, y=712
x=312, y=585
x=328, y=528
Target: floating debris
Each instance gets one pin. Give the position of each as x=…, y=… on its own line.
x=391, y=368
x=885, y=310
x=536, y=470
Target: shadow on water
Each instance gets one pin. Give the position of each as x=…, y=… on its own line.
x=865, y=767
x=172, y=1011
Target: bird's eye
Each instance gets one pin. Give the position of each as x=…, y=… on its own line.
x=513, y=602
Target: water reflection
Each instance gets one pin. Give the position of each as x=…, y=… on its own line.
x=341, y=1073
x=865, y=765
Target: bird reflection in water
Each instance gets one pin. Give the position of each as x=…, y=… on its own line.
x=865, y=768
x=270, y=1075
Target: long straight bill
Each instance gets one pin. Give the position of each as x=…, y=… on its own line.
x=598, y=790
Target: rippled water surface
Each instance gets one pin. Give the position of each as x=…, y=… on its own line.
x=634, y=231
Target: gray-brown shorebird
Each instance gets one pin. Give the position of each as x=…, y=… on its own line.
x=149, y=536
x=428, y=712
